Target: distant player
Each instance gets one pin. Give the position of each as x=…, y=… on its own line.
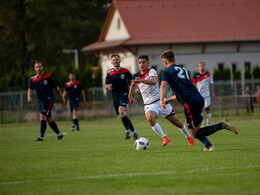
x=43, y=83
x=74, y=88
x=146, y=80
x=116, y=81
x=187, y=94
x=204, y=81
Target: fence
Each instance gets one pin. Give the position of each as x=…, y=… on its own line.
x=15, y=108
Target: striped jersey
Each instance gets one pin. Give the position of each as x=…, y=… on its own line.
x=203, y=81
x=150, y=93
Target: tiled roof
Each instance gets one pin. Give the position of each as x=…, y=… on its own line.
x=186, y=21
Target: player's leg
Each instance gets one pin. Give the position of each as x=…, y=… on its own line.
x=170, y=115
x=207, y=110
x=43, y=118
x=51, y=123
x=75, y=114
x=151, y=114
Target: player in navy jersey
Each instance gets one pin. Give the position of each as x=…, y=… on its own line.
x=187, y=94
x=74, y=88
x=147, y=83
x=43, y=83
x=204, y=81
x=116, y=81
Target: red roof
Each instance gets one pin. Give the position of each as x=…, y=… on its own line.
x=184, y=21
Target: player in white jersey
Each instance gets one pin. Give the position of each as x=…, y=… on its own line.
x=146, y=80
x=204, y=82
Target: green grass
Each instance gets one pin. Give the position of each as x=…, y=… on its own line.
x=97, y=160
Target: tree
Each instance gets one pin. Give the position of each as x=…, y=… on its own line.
x=237, y=75
x=226, y=73
x=256, y=72
x=248, y=74
x=217, y=74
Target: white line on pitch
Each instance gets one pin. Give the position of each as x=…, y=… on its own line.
x=137, y=174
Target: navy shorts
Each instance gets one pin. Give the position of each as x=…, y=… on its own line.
x=45, y=107
x=193, y=109
x=74, y=105
x=121, y=101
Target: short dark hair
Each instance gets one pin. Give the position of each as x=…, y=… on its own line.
x=168, y=55
x=37, y=62
x=144, y=57
x=115, y=55
x=72, y=73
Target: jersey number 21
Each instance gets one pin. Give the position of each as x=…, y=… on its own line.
x=182, y=72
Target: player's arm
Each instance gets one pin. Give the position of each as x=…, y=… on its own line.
x=150, y=81
x=59, y=91
x=170, y=99
x=109, y=86
x=84, y=96
x=131, y=91
x=212, y=88
x=64, y=94
x=163, y=90
x=29, y=94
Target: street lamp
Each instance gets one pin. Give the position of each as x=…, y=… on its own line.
x=75, y=51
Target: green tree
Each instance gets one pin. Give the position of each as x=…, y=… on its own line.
x=237, y=75
x=248, y=74
x=98, y=77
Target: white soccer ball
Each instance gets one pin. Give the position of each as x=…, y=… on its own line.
x=142, y=143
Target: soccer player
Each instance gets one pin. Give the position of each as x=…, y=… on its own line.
x=146, y=80
x=187, y=94
x=43, y=83
x=74, y=88
x=116, y=81
x=204, y=81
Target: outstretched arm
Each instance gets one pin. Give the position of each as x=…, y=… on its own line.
x=131, y=91
x=151, y=81
x=163, y=90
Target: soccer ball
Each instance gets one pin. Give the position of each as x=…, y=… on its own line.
x=142, y=144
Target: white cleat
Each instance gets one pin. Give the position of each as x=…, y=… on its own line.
x=228, y=126
x=211, y=148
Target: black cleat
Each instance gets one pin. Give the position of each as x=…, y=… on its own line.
x=39, y=139
x=128, y=135
x=135, y=136
x=60, y=137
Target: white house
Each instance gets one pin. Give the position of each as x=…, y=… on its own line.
x=222, y=33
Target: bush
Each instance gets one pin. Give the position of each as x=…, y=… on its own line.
x=237, y=75
x=256, y=72
x=248, y=75
x=217, y=75
x=226, y=74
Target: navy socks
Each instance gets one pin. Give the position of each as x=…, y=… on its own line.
x=54, y=127
x=208, y=130
x=127, y=123
x=43, y=128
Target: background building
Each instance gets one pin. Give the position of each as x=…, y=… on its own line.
x=221, y=33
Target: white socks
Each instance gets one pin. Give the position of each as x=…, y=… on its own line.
x=208, y=119
x=157, y=128
x=184, y=131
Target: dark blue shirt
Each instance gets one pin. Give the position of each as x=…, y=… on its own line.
x=118, y=79
x=74, y=90
x=180, y=81
x=43, y=85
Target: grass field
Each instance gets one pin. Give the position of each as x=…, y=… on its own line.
x=97, y=160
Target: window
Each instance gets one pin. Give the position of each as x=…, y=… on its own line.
x=234, y=67
x=221, y=67
x=118, y=24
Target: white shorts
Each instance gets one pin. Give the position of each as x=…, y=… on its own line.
x=207, y=103
x=155, y=107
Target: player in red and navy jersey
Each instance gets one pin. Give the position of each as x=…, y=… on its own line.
x=204, y=83
x=116, y=81
x=74, y=88
x=187, y=94
x=43, y=83
x=146, y=80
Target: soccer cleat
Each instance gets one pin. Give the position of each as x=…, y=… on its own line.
x=60, y=137
x=191, y=141
x=166, y=140
x=135, y=136
x=211, y=148
x=128, y=135
x=228, y=126
x=39, y=139
x=73, y=128
x=77, y=129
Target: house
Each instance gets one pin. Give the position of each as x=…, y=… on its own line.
x=223, y=33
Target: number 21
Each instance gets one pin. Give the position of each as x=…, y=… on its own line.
x=182, y=72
